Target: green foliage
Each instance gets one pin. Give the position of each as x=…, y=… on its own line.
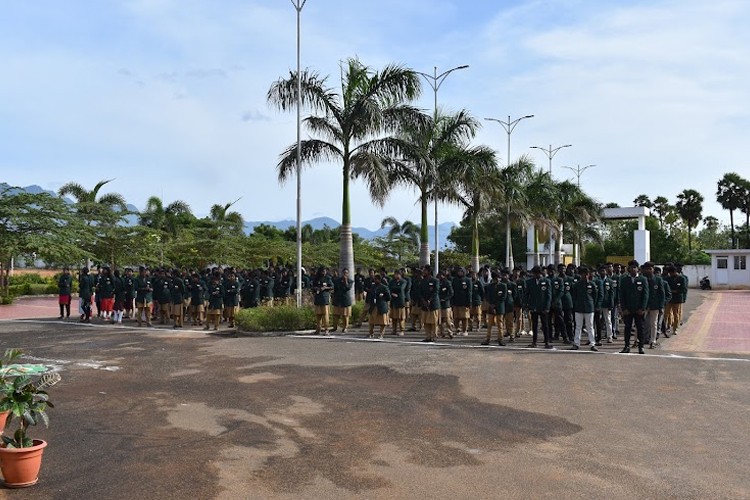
x=276, y=319
x=6, y=300
x=30, y=278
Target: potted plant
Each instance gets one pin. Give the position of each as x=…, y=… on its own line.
x=5, y=366
x=25, y=398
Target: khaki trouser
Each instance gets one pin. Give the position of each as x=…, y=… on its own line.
x=673, y=315
x=495, y=320
x=321, y=319
x=461, y=315
x=508, y=319
x=398, y=320
x=430, y=320
x=446, y=319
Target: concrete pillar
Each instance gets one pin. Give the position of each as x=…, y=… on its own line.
x=532, y=257
x=642, y=245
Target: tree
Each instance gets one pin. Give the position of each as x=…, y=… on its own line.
x=690, y=209
x=351, y=128
x=224, y=220
x=166, y=220
x=729, y=195
x=745, y=208
x=511, y=200
x=662, y=208
x=643, y=200
x=403, y=238
x=576, y=213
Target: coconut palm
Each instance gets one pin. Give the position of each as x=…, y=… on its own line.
x=576, y=213
x=690, y=208
x=511, y=200
x=643, y=200
x=167, y=219
x=351, y=128
x=730, y=195
x=662, y=208
x=540, y=209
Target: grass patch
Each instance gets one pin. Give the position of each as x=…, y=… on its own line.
x=276, y=319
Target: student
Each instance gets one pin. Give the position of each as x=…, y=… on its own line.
x=538, y=302
x=65, y=292
x=85, y=293
x=143, y=296
x=585, y=301
x=461, y=302
x=429, y=298
x=656, y=300
x=634, y=293
x=342, y=301
x=497, y=292
x=397, y=290
x=215, y=294
x=322, y=287
x=378, y=297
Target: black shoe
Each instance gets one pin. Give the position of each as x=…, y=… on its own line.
x=500, y=342
x=412, y=329
x=573, y=347
x=486, y=342
x=567, y=342
x=598, y=344
x=640, y=350
x=427, y=340
x=593, y=348
x=531, y=346
x=625, y=350
x=549, y=346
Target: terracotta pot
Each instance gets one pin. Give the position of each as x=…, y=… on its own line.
x=21, y=466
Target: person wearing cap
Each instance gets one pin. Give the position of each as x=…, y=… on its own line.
x=143, y=296
x=342, y=301
x=397, y=290
x=585, y=301
x=378, y=296
x=538, y=302
x=461, y=302
x=64, y=292
x=429, y=298
x=634, y=294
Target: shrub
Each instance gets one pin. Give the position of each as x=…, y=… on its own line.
x=6, y=300
x=28, y=278
x=357, y=309
x=276, y=319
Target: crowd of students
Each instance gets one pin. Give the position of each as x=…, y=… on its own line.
x=559, y=302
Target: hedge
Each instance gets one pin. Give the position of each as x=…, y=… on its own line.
x=283, y=318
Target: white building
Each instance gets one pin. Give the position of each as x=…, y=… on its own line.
x=729, y=268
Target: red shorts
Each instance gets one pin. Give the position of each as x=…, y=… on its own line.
x=107, y=304
x=64, y=300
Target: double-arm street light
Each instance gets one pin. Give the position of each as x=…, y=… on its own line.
x=551, y=152
x=298, y=5
x=509, y=126
x=435, y=81
x=578, y=170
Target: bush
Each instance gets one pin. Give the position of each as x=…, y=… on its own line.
x=6, y=300
x=32, y=289
x=28, y=278
x=276, y=319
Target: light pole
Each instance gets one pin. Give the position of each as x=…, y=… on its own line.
x=298, y=5
x=435, y=81
x=578, y=170
x=551, y=153
x=508, y=126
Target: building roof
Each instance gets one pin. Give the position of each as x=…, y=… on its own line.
x=729, y=251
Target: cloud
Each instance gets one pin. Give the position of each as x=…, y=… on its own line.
x=255, y=116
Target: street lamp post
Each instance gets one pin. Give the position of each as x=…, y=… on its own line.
x=298, y=5
x=578, y=170
x=435, y=81
x=551, y=152
x=509, y=126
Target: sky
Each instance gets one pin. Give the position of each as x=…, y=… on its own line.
x=168, y=97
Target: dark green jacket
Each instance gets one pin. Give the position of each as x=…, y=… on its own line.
x=558, y=290
x=497, y=293
x=567, y=296
x=215, y=295
x=510, y=297
x=585, y=296
x=119, y=289
x=462, y=291
x=633, y=293
x=378, y=297
x=86, y=286
x=606, y=292
x=341, y=295
x=106, y=287
x=231, y=293
x=397, y=293
x=520, y=295
x=538, y=294
x=657, y=294
x=143, y=289
x=678, y=286
x=65, y=284
x=322, y=288
x=197, y=293
x=477, y=293
x=446, y=293
x=429, y=294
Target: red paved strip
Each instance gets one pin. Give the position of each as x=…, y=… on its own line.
x=35, y=307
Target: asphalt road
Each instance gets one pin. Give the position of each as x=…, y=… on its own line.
x=144, y=413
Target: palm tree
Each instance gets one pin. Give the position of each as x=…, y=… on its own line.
x=434, y=150
x=224, y=220
x=745, y=208
x=540, y=211
x=92, y=207
x=406, y=234
x=643, y=200
x=576, y=213
x=511, y=200
x=730, y=195
x=662, y=208
x=690, y=208
x=163, y=219
x=351, y=128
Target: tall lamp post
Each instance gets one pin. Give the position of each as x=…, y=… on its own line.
x=298, y=6
x=435, y=81
x=551, y=152
x=578, y=170
x=509, y=126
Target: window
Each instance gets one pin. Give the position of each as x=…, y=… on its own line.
x=722, y=262
x=740, y=262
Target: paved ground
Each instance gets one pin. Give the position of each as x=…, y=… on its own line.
x=157, y=413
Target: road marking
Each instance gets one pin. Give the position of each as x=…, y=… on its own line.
x=55, y=363
x=509, y=348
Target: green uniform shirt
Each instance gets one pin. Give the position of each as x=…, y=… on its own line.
x=585, y=296
x=538, y=294
x=378, y=297
x=341, y=289
x=65, y=284
x=429, y=295
x=633, y=293
x=143, y=289
x=657, y=295
x=461, y=292
x=397, y=293
x=446, y=293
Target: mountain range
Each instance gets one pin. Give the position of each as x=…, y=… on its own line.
x=315, y=223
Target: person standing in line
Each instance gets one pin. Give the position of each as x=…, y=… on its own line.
x=566, y=302
x=397, y=290
x=678, y=287
x=143, y=296
x=342, y=301
x=446, y=313
x=119, y=304
x=585, y=301
x=177, y=294
x=477, y=297
x=556, y=318
x=65, y=292
x=416, y=301
x=378, y=296
x=614, y=274
x=538, y=302
x=85, y=292
x=105, y=293
x=510, y=301
x=656, y=299
x=497, y=292
x=129, y=282
x=215, y=301
x=461, y=302
x=429, y=297
x=519, y=305
x=322, y=287
x=197, y=297
x=604, y=326
x=634, y=293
